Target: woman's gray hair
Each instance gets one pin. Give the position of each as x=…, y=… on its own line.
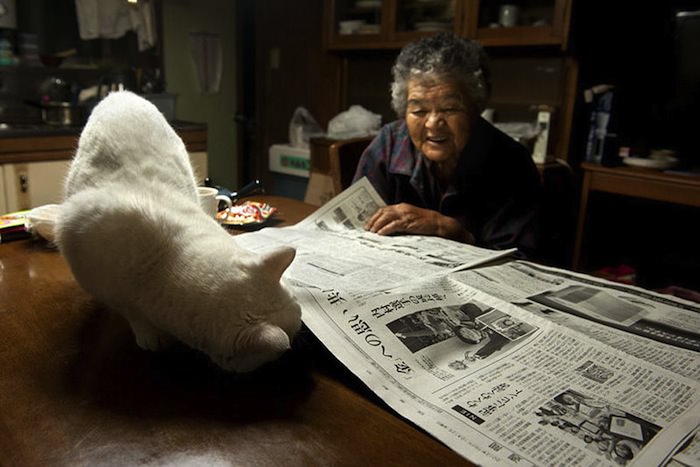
x=440, y=58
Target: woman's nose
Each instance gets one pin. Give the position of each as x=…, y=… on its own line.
x=434, y=119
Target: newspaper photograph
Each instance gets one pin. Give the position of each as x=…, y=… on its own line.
x=506, y=362
x=660, y=329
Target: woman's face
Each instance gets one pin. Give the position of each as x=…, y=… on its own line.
x=470, y=335
x=438, y=119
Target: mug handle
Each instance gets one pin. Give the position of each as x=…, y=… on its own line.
x=225, y=199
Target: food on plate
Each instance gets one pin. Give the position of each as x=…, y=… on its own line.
x=249, y=212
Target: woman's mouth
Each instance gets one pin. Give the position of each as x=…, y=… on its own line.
x=436, y=139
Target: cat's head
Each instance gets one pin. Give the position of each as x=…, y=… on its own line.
x=269, y=315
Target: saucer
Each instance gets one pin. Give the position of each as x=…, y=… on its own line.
x=658, y=163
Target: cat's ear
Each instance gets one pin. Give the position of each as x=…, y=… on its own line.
x=276, y=261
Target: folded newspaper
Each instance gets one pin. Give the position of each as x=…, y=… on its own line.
x=507, y=362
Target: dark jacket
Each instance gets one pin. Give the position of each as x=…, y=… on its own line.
x=496, y=189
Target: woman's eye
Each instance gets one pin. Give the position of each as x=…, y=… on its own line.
x=419, y=113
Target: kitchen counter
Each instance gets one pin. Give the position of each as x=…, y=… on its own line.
x=21, y=130
x=30, y=142
x=34, y=160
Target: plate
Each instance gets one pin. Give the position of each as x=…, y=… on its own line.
x=429, y=26
x=368, y=4
x=658, y=163
x=246, y=214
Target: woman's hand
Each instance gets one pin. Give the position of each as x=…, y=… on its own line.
x=408, y=219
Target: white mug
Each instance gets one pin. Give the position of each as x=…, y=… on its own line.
x=209, y=200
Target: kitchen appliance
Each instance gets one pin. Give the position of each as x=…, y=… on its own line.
x=8, y=26
x=117, y=80
x=58, y=104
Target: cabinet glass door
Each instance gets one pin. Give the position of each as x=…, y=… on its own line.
x=353, y=18
x=522, y=22
x=424, y=16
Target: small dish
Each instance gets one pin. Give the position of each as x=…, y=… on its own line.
x=368, y=4
x=246, y=214
x=658, y=162
x=350, y=26
x=368, y=29
x=433, y=26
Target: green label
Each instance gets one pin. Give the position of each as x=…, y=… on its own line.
x=294, y=162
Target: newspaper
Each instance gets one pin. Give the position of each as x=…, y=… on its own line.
x=506, y=362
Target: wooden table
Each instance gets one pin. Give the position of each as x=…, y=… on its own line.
x=76, y=390
x=632, y=181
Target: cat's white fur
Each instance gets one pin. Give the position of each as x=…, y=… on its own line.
x=136, y=238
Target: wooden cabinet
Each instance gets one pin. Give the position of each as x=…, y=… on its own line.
x=3, y=200
x=33, y=168
x=531, y=69
x=32, y=184
x=537, y=22
x=377, y=24
x=27, y=185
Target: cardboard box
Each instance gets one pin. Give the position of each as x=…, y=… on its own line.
x=290, y=160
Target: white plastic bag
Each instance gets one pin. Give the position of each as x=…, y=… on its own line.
x=302, y=127
x=354, y=122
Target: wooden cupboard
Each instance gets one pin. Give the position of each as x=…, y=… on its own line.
x=32, y=168
x=531, y=67
x=391, y=23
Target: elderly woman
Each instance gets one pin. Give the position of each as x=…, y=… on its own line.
x=441, y=168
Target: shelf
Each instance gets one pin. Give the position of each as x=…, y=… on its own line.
x=530, y=66
x=517, y=36
x=469, y=18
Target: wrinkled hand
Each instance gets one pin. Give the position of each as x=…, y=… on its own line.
x=404, y=218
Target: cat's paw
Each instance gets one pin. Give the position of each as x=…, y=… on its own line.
x=153, y=341
x=255, y=346
x=149, y=337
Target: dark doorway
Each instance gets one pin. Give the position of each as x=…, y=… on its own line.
x=245, y=94
x=282, y=65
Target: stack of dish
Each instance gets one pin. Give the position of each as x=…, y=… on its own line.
x=350, y=26
x=368, y=29
x=434, y=26
x=368, y=3
x=659, y=159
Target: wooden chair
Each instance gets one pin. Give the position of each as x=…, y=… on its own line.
x=333, y=164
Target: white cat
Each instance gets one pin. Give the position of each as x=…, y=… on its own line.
x=136, y=238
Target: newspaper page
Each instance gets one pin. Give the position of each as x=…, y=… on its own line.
x=350, y=209
x=657, y=328
x=507, y=364
x=333, y=249
x=500, y=385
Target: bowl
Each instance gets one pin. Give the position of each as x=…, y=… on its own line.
x=350, y=26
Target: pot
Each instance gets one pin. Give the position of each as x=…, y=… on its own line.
x=57, y=113
x=62, y=114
